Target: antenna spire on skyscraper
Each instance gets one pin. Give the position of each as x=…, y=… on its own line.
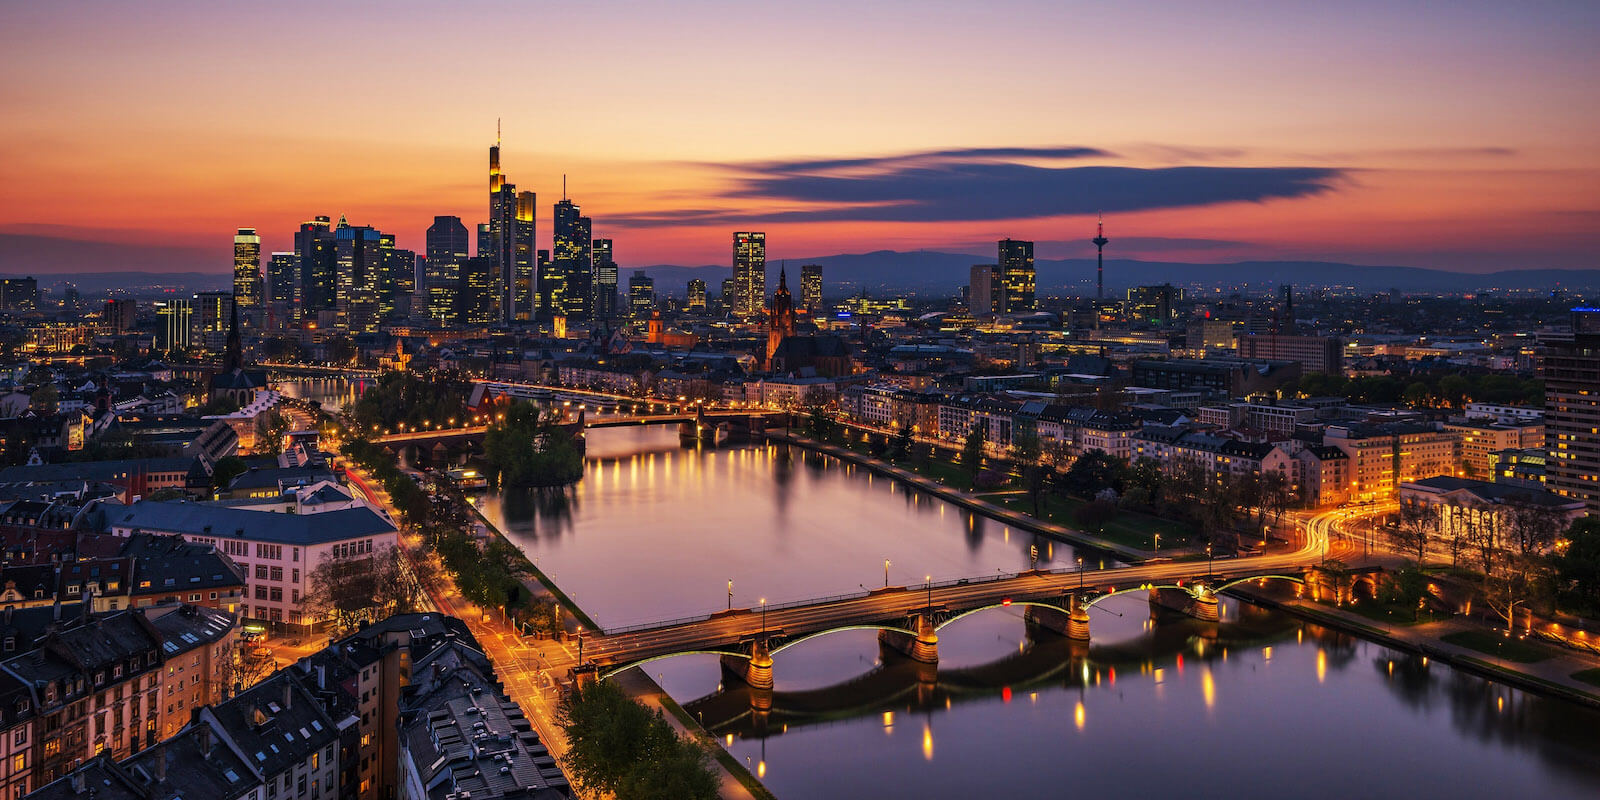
x=496, y=131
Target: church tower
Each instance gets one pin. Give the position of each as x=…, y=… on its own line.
x=780, y=317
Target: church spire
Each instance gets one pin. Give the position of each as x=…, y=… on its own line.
x=234, y=359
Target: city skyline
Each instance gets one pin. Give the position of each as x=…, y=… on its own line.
x=1366, y=134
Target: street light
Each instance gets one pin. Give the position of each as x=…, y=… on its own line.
x=886, y=573
x=1209, y=561
x=730, y=594
x=1158, y=543
x=1080, y=573
x=929, y=580
x=580, y=645
x=763, y=618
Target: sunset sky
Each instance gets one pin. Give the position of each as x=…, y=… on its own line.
x=1461, y=135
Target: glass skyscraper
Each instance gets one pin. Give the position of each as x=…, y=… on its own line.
x=749, y=272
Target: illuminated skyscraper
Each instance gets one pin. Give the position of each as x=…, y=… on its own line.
x=728, y=296
x=479, y=287
x=1153, y=304
x=749, y=272
x=523, y=256
x=283, y=275
x=247, y=290
x=447, y=248
x=1016, y=277
x=397, y=278
x=570, y=261
x=811, y=288
x=605, y=279
x=696, y=296
x=641, y=295
x=209, y=323
x=174, y=319
x=359, y=255
x=318, y=285
x=1571, y=372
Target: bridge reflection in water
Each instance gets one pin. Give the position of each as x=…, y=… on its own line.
x=1046, y=659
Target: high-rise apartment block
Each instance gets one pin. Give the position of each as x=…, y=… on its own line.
x=1571, y=370
x=749, y=272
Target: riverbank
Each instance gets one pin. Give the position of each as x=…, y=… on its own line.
x=965, y=500
x=1550, y=676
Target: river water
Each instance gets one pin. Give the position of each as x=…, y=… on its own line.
x=1260, y=705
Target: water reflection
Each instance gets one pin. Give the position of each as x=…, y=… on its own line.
x=655, y=528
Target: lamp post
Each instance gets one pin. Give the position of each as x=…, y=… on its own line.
x=730, y=594
x=763, y=618
x=1209, y=561
x=580, y=645
x=928, y=580
x=886, y=573
x=1080, y=573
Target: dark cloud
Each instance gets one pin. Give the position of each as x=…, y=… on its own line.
x=928, y=157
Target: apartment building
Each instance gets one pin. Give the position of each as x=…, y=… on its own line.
x=1385, y=455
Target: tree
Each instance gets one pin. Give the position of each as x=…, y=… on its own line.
x=530, y=448
x=241, y=668
x=1094, y=472
x=226, y=469
x=1094, y=514
x=45, y=399
x=342, y=591
x=1417, y=527
x=1025, y=443
x=903, y=442
x=972, y=453
x=1578, y=567
x=619, y=747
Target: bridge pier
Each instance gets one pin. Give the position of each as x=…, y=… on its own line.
x=1072, y=623
x=1200, y=604
x=922, y=648
x=755, y=671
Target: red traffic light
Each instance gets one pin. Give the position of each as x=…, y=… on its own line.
x=1005, y=601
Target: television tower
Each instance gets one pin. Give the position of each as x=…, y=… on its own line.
x=1100, y=242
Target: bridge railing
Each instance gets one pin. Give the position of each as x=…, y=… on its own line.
x=945, y=583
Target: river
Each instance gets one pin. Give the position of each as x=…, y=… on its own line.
x=1260, y=705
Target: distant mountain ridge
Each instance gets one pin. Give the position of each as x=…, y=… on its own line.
x=930, y=270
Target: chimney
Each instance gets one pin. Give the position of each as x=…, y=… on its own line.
x=204, y=731
x=160, y=759
x=288, y=693
x=322, y=670
x=77, y=781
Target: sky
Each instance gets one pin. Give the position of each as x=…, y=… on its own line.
x=1462, y=136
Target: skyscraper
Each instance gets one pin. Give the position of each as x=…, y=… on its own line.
x=1571, y=371
x=447, y=248
x=283, y=276
x=605, y=279
x=749, y=272
x=523, y=257
x=695, y=296
x=397, y=278
x=811, y=288
x=479, y=291
x=727, y=298
x=641, y=295
x=359, y=256
x=1153, y=304
x=317, y=287
x=174, y=319
x=247, y=275
x=120, y=313
x=983, y=286
x=569, y=261
x=1016, y=277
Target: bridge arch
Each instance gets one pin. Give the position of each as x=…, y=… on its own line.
x=1238, y=581
x=808, y=637
x=621, y=668
x=1140, y=588
x=1002, y=604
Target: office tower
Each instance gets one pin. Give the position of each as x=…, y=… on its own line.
x=447, y=248
x=119, y=314
x=605, y=279
x=19, y=294
x=570, y=259
x=1286, y=310
x=485, y=241
x=523, y=260
x=1153, y=304
x=729, y=295
x=1100, y=242
x=397, y=278
x=247, y=289
x=174, y=323
x=641, y=295
x=696, y=296
x=359, y=257
x=811, y=288
x=283, y=272
x=1016, y=277
x=1571, y=371
x=479, y=293
x=208, y=323
x=983, y=286
x=780, y=317
x=749, y=272
x=317, y=287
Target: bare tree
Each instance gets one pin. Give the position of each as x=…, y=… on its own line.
x=343, y=592
x=1417, y=529
x=242, y=666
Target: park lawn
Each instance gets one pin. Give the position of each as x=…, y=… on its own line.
x=1589, y=676
x=1496, y=644
x=1389, y=613
x=1128, y=528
